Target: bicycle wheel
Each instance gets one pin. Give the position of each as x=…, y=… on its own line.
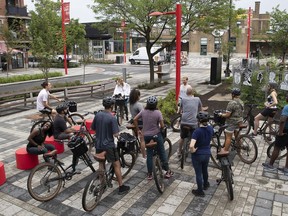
x=247, y=149
x=227, y=175
x=127, y=161
x=93, y=192
x=158, y=174
x=37, y=125
x=270, y=131
x=44, y=182
x=168, y=147
x=175, y=123
x=246, y=121
x=270, y=149
x=213, y=156
x=76, y=118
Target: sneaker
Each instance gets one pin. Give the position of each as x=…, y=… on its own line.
x=198, y=193
x=149, y=176
x=206, y=186
x=123, y=189
x=284, y=170
x=47, y=159
x=169, y=174
x=268, y=166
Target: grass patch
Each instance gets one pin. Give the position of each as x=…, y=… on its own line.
x=27, y=77
x=152, y=85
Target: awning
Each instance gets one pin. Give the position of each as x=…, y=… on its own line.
x=3, y=49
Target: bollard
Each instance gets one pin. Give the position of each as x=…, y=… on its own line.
x=124, y=74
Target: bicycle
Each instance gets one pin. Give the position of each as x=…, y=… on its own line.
x=119, y=108
x=76, y=118
x=225, y=165
x=98, y=184
x=185, y=147
x=243, y=145
x=268, y=130
x=175, y=122
x=45, y=180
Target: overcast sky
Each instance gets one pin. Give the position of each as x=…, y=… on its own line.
x=79, y=8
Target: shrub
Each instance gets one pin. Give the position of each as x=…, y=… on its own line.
x=26, y=77
x=168, y=106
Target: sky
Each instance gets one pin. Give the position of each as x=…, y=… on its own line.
x=79, y=8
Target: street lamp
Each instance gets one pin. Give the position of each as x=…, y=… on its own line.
x=178, y=14
x=227, y=70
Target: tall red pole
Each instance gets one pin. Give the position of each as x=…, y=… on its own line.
x=248, y=34
x=178, y=48
x=64, y=37
x=124, y=40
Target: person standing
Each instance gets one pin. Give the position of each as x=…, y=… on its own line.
x=270, y=108
x=281, y=141
x=152, y=124
x=183, y=88
x=135, y=108
x=189, y=107
x=234, y=116
x=200, y=152
x=107, y=128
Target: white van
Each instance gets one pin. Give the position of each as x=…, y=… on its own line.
x=140, y=56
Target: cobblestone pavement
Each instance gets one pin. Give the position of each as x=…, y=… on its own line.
x=256, y=191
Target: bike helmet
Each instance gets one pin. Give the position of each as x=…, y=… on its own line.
x=61, y=108
x=236, y=92
x=272, y=85
x=203, y=116
x=152, y=100
x=108, y=102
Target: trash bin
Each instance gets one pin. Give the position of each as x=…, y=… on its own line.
x=119, y=59
x=215, y=71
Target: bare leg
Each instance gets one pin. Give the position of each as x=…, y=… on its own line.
x=117, y=171
x=274, y=155
x=256, y=122
x=227, y=141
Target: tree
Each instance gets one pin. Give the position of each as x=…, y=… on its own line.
x=46, y=33
x=196, y=15
x=279, y=32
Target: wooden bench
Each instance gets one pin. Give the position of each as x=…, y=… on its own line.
x=163, y=72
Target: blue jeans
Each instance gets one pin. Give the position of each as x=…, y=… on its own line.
x=200, y=163
x=160, y=150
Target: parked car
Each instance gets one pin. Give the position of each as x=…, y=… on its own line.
x=140, y=56
x=61, y=57
x=33, y=62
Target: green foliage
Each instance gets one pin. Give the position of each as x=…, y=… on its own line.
x=152, y=85
x=27, y=77
x=168, y=106
x=67, y=84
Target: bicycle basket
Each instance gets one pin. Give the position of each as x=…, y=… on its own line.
x=72, y=106
x=78, y=146
x=120, y=102
x=217, y=119
x=126, y=141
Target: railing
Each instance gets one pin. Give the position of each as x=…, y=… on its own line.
x=16, y=11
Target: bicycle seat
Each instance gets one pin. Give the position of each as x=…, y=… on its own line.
x=46, y=111
x=151, y=144
x=100, y=156
x=130, y=126
x=219, y=155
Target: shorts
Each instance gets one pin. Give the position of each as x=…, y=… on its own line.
x=185, y=132
x=63, y=136
x=268, y=112
x=111, y=154
x=231, y=128
x=282, y=141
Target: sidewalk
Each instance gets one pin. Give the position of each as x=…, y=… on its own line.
x=256, y=191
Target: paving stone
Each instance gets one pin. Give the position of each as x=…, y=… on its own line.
x=259, y=211
x=266, y=195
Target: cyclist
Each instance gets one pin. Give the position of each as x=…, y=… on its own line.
x=107, y=128
x=152, y=124
x=43, y=98
x=189, y=107
x=281, y=141
x=37, y=138
x=234, y=115
x=135, y=108
x=200, y=152
x=270, y=107
x=122, y=90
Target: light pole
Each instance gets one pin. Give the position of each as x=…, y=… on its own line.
x=178, y=14
x=64, y=37
x=227, y=70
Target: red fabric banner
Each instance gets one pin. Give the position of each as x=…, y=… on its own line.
x=66, y=11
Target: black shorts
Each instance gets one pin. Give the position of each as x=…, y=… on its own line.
x=184, y=131
x=268, y=112
x=282, y=141
x=111, y=154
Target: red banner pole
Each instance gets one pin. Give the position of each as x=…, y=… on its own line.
x=64, y=37
x=178, y=48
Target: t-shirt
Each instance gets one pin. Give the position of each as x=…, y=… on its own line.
x=285, y=113
x=151, y=120
x=203, y=136
x=59, y=125
x=43, y=96
x=236, y=107
x=183, y=90
x=135, y=109
x=106, y=125
x=190, y=107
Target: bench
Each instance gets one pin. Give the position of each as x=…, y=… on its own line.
x=24, y=160
x=163, y=72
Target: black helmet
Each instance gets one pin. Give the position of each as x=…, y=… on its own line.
x=108, y=102
x=273, y=85
x=152, y=100
x=203, y=116
x=236, y=92
x=61, y=107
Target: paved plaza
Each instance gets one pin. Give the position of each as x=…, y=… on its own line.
x=256, y=191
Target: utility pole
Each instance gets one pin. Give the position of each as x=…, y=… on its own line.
x=227, y=70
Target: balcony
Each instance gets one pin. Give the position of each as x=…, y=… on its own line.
x=17, y=11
